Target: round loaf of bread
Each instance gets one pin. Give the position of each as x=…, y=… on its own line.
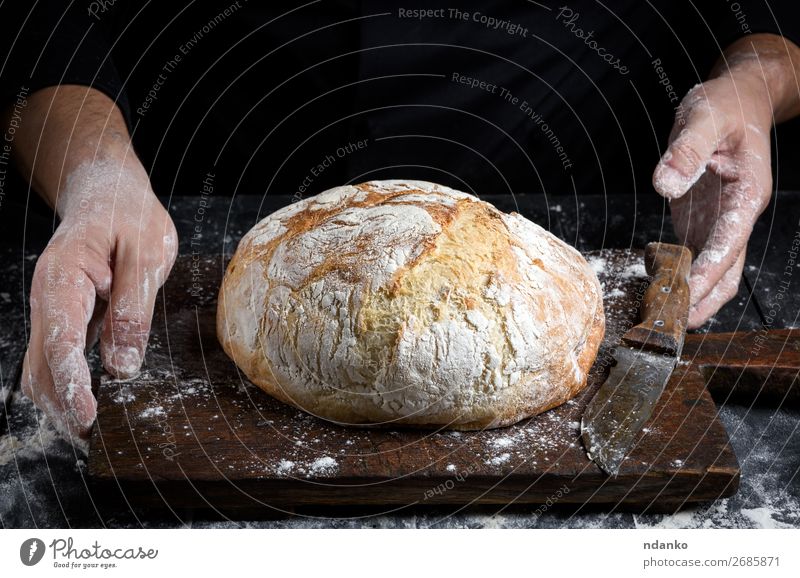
x=409, y=303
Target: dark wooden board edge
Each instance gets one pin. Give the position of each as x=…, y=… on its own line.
x=664, y=491
x=654, y=495
x=759, y=367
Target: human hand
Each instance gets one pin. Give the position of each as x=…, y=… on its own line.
x=716, y=173
x=99, y=275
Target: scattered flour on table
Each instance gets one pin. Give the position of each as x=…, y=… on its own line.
x=615, y=274
x=598, y=264
x=324, y=465
x=503, y=442
x=31, y=445
x=499, y=460
x=635, y=269
x=152, y=412
x=763, y=518
x=719, y=514
x=124, y=397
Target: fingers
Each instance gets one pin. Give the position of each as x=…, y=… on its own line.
x=140, y=268
x=688, y=154
x=725, y=290
x=728, y=226
x=55, y=373
x=96, y=323
x=723, y=248
x=127, y=322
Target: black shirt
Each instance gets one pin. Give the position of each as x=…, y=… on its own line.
x=490, y=97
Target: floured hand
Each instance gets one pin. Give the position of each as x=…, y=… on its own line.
x=98, y=276
x=716, y=173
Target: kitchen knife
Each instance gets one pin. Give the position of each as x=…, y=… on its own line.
x=644, y=359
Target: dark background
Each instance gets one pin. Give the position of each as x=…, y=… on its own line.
x=262, y=95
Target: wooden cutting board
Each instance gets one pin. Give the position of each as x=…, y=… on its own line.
x=192, y=432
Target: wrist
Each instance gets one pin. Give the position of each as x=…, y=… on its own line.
x=108, y=182
x=763, y=65
x=755, y=99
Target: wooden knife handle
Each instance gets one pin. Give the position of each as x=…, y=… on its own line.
x=665, y=303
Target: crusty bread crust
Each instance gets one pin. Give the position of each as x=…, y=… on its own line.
x=406, y=303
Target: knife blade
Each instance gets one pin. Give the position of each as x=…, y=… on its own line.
x=645, y=359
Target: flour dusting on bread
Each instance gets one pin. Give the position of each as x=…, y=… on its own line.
x=409, y=303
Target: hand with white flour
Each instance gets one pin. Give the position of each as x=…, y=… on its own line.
x=716, y=170
x=100, y=272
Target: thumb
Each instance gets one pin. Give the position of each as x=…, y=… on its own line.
x=126, y=326
x=688, y=154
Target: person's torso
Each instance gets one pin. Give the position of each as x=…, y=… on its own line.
x=494, y=97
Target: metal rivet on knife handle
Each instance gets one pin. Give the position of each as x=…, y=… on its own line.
x=665, y=306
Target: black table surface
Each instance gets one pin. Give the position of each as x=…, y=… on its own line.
x=43, y=481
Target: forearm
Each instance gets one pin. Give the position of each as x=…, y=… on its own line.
x=63, y=128
x=769, y=65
